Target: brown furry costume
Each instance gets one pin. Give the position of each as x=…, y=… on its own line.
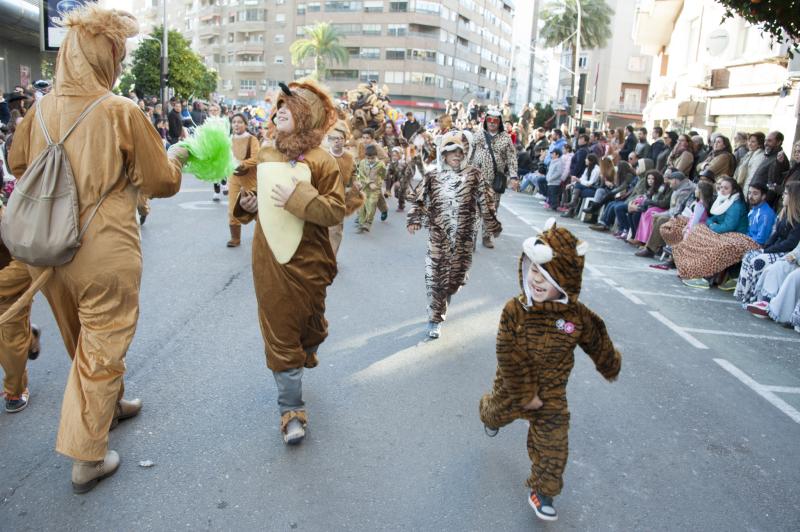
x=535, y=355
x=95, y=297
x=291, y=296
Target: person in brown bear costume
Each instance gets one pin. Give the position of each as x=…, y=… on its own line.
x=291, y=291
x=538, y=333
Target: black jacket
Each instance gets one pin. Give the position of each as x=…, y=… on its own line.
x=628, y=147
x=578, y=164
x=409, y=128
x=784, y=239
x=175, y=122
x=771, y=174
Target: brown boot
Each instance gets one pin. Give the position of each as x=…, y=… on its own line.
x=236, y=236
x=125, y=410
x=487, y=242
x=86, y=475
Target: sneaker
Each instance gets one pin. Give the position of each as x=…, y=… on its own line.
x=294, y=432
x=17, y=403
x=797, y=329
x=215, y=197
x=539, y=196
x=384, y=215
x=545, y=205
x=562, y=209
x=759, y=309
x=491, y=432
x=644, y=252
x=598, y=227
x=729, y=285
x=224, y=190
x=487, y=243
x=434, y=330
x=361, y=229
x=698, y=283
x=543, y=506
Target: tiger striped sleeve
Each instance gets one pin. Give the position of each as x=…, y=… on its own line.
x=508, y=368
x=418, y=215
x=596, y=343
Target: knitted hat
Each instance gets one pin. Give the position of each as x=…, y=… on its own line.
x=560, y=257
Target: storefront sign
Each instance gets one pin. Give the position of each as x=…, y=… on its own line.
x=51, y=13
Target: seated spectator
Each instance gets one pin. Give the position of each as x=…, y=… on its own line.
x=719, y=244
x=682, y=194
x=740, y=146
x=778, y=291
x=615, y=181
x=783, y=240
x=558, y=144
x=678, y=228
x=750, y=161
x=629, y=145
x=719, y=162
x=682, y=156
x=670, y=141
x=794, y=171
x=531, y=179
x=618, y=198
x=773, y=167
x=658, y=146
x=761, y=217
x=642, y=148
x=650, y=188
x=585, y=187
x=657, y=204
x=699, y=149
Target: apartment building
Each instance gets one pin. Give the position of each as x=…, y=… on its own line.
x=424, y=51
x=714, y=75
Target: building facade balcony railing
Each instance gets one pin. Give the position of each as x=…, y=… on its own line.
x=628, y=108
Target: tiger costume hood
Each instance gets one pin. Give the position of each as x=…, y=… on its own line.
x=560, y=257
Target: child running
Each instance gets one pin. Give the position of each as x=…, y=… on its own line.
x=447, y=203
x=371, y=173
x=538, y=333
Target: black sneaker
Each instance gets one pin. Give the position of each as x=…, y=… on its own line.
x=17, y=403
x=384, y=215
x=543, y=506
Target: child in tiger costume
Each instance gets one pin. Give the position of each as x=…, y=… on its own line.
x=538, y=333
x=448, y=202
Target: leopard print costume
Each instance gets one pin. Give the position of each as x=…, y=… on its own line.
x=447, y=203
x=535, y=355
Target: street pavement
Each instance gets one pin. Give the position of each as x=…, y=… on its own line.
x=700, y=432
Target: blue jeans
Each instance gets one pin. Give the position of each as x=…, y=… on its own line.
x=528, y=180
x=610, y=214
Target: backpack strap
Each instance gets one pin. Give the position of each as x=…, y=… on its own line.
x=85, y=112
x=40, y=116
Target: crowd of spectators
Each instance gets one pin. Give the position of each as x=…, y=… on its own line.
x=720, y=214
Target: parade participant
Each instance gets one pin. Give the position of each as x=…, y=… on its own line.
x=290, y=289
x=95, y=297
x=245, y=150
x=368, y=139
x=494, y=156
x=449, y=201
x=536, y=340
x=370, y=174
x=398, y=177
x=337, y=137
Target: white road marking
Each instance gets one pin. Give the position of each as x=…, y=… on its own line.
x=764, y=391
x=209, y=189
x=781, y=389
x=679, y=296
x=680, y=331
x=742, y=335
x=202, y=205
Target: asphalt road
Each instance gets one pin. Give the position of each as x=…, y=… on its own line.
x=695, y=435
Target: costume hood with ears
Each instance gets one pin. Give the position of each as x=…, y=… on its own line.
x=313, y=112
x=454, y=140
x=560, y=257
x=92, y=50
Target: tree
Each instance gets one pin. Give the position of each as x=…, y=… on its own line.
x=322, y=43
x=560, y=19
x=544, y=115
x=188, y=76
x=126, y=83
x=779, y=18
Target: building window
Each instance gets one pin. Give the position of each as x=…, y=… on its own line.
x=301, y=9
x=314, y=7
x=373, y=6
x=343, y=5
x=636, y=63
x=398, y=7
x=347, y=29
x=278, y=59
x=395, y=54
x=280, y=18
x=393, y=77
x=302, y=72
x=371, y=29
x=369, y=75
x=353, y=51
x=370, y=53
x=422, y=55
x=397, y=30
x=279, y=38
x=424, y=6
x=247, y=84
x=338, y=74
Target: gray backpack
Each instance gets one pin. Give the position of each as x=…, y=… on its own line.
x=41, y=224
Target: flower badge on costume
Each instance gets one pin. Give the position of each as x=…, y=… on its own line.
x=566, y=326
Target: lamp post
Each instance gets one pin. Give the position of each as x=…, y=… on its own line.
x=576, y=76
x=164, y=61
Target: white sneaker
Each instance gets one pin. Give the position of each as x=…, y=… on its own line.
x=434, y=330
x=539, y=196
x=294, y=432
x=215, y=197
x=225, y=190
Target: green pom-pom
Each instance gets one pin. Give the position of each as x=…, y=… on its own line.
x=210, y=151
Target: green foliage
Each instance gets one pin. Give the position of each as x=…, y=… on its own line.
x=126, y=82
x=210, y=155
x=560, y=19
x=779, y=18
x=48, y=65
x=543, y=115
x=188, y=76
x=321, y=42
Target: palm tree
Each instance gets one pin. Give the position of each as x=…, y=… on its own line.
x=560, y=18
x=322, y=43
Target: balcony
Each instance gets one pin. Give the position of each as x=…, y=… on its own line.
x=628, y=108
x=654, y=22
x=249, y=66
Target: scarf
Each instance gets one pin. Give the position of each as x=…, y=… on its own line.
x=723, y=203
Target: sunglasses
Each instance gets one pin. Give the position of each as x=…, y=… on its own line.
x=492, y=120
